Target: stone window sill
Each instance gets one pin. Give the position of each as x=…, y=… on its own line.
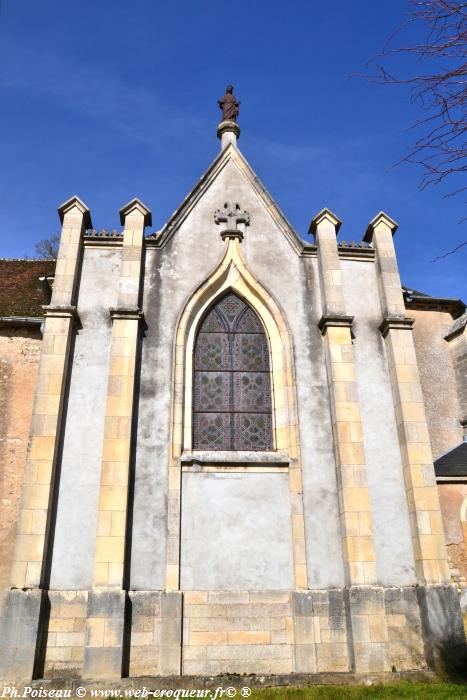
x=197, y=459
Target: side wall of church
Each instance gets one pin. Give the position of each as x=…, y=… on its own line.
x=19, y=359
x=438, y=379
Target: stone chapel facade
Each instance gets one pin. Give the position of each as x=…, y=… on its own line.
x=229, y=466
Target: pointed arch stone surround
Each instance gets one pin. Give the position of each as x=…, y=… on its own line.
x=232, y=274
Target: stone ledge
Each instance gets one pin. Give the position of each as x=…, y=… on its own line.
x=61, y=311
x=395, y=322
x=334, y=321
x=235, y=458
x=127, y=313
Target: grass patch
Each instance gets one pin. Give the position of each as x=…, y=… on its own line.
x=421, y=691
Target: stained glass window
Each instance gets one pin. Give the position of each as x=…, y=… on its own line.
x=232, y=407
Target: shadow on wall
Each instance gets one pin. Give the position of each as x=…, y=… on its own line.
x=445, y=642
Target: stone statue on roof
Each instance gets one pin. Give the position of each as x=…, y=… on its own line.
x=229, y=105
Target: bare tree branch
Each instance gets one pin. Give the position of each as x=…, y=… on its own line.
x=47, y=249
x=450, y=252
x=441, y=91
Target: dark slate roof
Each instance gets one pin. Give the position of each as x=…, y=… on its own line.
x=21, y=292
x=453, y=463
x=419, y=300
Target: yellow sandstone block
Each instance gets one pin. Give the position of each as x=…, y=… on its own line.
x=18, y=574
x=56, y=382
x=248, y=637
x=426, y=498
x=416, y=432
x=25, y=522
x=365, y=523
x=301, y=578
x=118, y=523
x=195, y=597
x=115, y=576
x=114, y=385
x=116, y=450
x=419, y=453
x=208, y=638
x=436, y=523
x=122, y=366
x=412, y=411
x=343, y=372
x=352, y=524
x=299, y=551
x=432, y=546
x=109, y=549
x=112, y=635
x=295, y=480
x=42, y=447
x=95, y=632
x=360, y=548
x=351, y=453
x=172, y=577
x=335, y=353
x=428, y=569
x=369, y=572
x=52, y=364
x=355, y=499
x=378, y=628
x=38, y=522
x=36, y=496
x=47, y=405
x=119, y=406
x=29, y=548
x=339, y=336
x=347, y=411
x=104, y=523
x=101, y=575
x=298, y=526
x=113, y=498
x=117, y=426
x=356, y=570
x=60, y=624
x=407, y=373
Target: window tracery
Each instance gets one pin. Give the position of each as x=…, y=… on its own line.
x=232, y=406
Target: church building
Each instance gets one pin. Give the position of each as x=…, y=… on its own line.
x=232, y=440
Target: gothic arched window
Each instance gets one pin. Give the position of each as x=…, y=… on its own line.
x=232, y=408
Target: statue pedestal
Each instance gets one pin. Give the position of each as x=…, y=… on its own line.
x=228, y=132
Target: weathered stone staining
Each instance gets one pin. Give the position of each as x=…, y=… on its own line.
x=184, y=561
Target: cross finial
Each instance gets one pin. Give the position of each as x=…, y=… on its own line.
x=232, y=215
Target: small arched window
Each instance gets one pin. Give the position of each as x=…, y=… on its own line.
x=232, y=408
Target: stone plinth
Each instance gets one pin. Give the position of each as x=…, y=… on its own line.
x=228, y=132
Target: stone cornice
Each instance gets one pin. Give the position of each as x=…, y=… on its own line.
x=334, y=321
x=395, y=322
x=62, y=311
x=126, y=313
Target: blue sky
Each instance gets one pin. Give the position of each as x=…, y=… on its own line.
x=118, y=98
